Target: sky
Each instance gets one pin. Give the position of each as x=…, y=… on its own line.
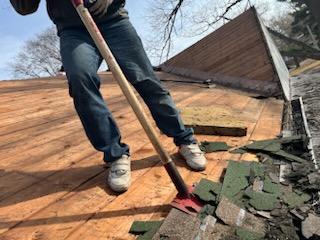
x=16, y=29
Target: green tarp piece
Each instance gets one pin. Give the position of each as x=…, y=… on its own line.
x=210, y=147
x=262, y=201
x=207, y=190
x=244, y=234
x=145, y=230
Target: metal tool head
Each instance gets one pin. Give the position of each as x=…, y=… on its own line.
x=188, y=204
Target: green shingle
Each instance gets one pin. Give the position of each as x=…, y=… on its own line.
x=145, y=230
x=270, y=187
x=295, y=200
x=257, y=169
x=210, y=147
x=205, y=211
x=244, y=234
x=207, y=190
x=288, y=156
x=238, y=151
x=272, y=145
x=262, y=201
x=236, y=179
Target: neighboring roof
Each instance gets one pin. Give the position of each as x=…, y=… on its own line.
x=240, y=54
x=52, y=181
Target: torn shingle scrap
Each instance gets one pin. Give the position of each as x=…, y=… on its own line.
x=145, y=229
x=207, y=190
x=276, y=148
x=244, y=234
x=288, y=156
x=270, y=187
x=233, y=215
x=265, y=145
x=235, y=179
x=206, y=228
x=261, y=201
x=294, y=199
x=207, y=210
x=178, y=225
x=289, y=231
x=257, y=169
x=238, y=151
x=311, y=226
x=209, y=147
x=257, y=185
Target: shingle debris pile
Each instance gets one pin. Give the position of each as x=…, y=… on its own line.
x=276, y=198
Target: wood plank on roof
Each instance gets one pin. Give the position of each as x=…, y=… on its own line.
x=214, y=120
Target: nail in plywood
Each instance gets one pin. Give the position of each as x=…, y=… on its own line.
x=214, y=121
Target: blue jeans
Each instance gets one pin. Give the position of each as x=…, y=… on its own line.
x=81, y=60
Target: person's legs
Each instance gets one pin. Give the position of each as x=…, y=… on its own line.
x=81, y=61
x=129, y=52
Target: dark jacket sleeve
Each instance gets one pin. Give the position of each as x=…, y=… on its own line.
x=25, y=7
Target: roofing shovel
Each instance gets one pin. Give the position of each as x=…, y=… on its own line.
x=184, y=201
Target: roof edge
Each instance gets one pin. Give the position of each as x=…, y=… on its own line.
x=270, y=88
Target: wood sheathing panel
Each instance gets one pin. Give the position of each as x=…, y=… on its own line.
x=238, y=49
x=52, y=180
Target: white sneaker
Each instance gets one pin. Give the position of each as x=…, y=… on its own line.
x=194, y=156
x=119, y=178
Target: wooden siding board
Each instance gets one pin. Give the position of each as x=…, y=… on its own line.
x=218, y=49
x=218, y=37
x=241, y=48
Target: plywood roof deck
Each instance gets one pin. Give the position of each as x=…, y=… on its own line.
x=52, y=181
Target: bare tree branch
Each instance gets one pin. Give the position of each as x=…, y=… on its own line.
x=39, y=56
x=168, y=18
x=223, y=15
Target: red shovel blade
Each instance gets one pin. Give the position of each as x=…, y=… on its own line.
x=190, y=205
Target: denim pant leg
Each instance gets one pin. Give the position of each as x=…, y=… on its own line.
x=81, y=60
x=130, y=54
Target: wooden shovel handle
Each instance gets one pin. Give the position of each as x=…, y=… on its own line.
x=121, y=79
x=131, y=97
